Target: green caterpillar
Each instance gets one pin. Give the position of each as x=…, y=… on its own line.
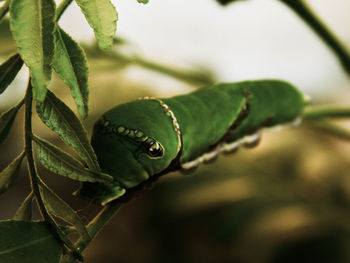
x=150, y=137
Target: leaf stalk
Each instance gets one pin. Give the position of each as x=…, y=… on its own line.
x=61, y=8
x=95, y=226
x=4, y=9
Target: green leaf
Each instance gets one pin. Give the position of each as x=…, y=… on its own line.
x=102, y=17
x=10, y=173
x=64, y=164
x=32, y=25
x=28, y=242
x=60, y=118
x=70, y=64
x=143, y=1
x=8, y=45
x=24, y=212
x=9, y=70
x=61, y=209
x=6, y=121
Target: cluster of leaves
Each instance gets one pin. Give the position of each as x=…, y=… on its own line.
x=42, y=46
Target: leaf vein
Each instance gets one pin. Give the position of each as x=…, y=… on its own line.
x=7, y=251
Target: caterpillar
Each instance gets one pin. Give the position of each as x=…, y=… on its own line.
x=150, y=137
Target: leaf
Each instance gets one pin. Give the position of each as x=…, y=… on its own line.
x=8, y=45
x=64, y=164
x=32, y=25
x=61, y=209
x=143, y=1
x=10, y=173
x=6, y=121
x=102, y=17
x=28, y=242
x=9, y=70
x=59, y=118
x=70, y=64
x=24, y=212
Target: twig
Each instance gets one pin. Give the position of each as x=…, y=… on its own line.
x=203, y=78
x=95, y=226
x=107, y=213
x=321, y=112
x=301, y=9
x=191, y=76
x=4, y=9
x=331, y=129
x=61, y=8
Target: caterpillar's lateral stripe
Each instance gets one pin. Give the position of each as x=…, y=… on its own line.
x=247, y=140
x=148, y=137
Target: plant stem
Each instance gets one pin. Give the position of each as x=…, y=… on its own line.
x=331, y=129
x=321, y=112
x=202, y=78
x=21, y=102
x=191, y=76
x=99, y=221
x=95, y=226
x=302, y=10
x=61, y=8
x=34, y=179
x=4, y=9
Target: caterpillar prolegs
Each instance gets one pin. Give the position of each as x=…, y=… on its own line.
x=150, y=136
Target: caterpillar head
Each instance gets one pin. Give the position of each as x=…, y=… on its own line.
x=133, y=142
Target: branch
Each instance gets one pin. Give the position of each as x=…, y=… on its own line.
x=199, y=77
x=191, y=76
x=321, y=30
x=321, y=112
x=106, y=214
x=4, y=9
x=94, y=227
x=331, y=129
x=61, y=8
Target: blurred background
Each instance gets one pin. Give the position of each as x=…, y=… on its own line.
x=287, y=200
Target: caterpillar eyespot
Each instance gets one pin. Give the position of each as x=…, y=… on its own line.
x=155, y=150
x=150, y=137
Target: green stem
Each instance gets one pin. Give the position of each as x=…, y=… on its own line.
x=190, y=76
x=331, y=129
x=34, y=179
x=4, y=9
x=95, y=226
x=202, y=78
x=61, y=8
x=20, y=103
x=321, y=112
x=105, y=215
x=321, y=30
